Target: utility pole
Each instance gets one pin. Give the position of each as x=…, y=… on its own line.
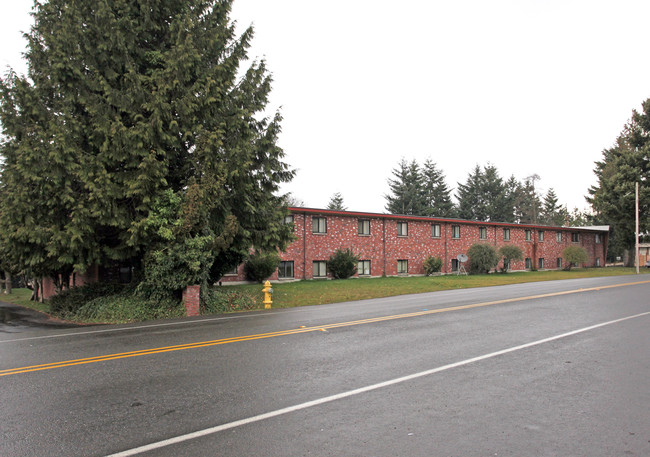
x=636, y=246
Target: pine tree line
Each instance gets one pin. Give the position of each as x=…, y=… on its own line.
x=422, y=190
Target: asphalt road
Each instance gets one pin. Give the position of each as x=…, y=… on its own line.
x=544, y=369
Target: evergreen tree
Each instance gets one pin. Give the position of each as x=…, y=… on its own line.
x=551, y=211
x=622, y=166
x=336, y=202
x=484, y=196
x=437, y=195
x=132, y=109
x=406, y=195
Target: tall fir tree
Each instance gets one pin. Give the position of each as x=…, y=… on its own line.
x=622, y=166
x=336, y=203
x=551, y=211
x=124, y=102
x=437, y=195
x=406, y=195
x=483, y=196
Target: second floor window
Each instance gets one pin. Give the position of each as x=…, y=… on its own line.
x=319, y=225
x=455, y=231
x=541, y=235
x=435, y=230
x=528, y=235
x=506, y=234
x=575, y=237
x=558, y=237
x=482, y=233
x=364, y=227
x=402, y=229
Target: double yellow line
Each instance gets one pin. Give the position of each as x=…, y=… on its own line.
x=202, y=344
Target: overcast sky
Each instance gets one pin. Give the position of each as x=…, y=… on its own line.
x=530, y=86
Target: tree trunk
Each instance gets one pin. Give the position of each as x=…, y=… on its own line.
x=7, y=283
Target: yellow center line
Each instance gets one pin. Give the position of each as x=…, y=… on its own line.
x=202, y=344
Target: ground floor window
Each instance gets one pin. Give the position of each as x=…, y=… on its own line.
x=319, y=269
x=402, y=267
x=529, y=263
x=285, y=270
x=364, y=268
x=559, y=262
x=597, y=261
x=506, y=265
x=541, y=263
x=454, y=264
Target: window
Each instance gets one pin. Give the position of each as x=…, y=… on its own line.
x=558, y=237
x=364, y=227
x=454, y=264
x=319, y=224
x=528, y=235
x=540, y=234
x=364, y=268
x=482, y=233
x=231, y=272
x=597, y=261
x=559, y=261
x=506, y=265
x=288, y=219
x=598, y=240
x=529, y=263
x=455, y=231
x=402, y=267
x=540, y=262
x=506, y=234
x=319, y=269
x=435, y=230
x=402, y=229
x=285, y=270
x=575, y=237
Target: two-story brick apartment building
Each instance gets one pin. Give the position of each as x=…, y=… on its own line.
x=395, y=245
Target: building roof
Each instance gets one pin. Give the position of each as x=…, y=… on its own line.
x=402, y=217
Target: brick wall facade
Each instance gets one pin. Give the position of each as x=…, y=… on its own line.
x=383, y=247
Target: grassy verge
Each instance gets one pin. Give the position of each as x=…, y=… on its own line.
x=21, y=297
x=304, y=293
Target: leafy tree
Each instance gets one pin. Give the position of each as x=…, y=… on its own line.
x=623, y=165
x=406, y=195
x=336, y=203
x=118, y=108
x=260, y=266
x=574, y=255
x=343, y=264
x=482, y=258
x=436, y=193
x=432, y=265
x=510, y=252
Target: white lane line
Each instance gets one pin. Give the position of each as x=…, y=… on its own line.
x=361, y=390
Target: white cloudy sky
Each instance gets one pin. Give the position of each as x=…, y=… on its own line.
x=531, y=86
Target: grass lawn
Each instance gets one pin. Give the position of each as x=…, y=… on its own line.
x=21, y=297
x=315, y=292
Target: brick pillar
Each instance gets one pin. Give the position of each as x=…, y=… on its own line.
x=191, y=296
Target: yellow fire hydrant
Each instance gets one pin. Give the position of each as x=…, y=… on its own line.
x=268, y=290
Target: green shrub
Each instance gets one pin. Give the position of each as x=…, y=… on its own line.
x=483, y=257
x=343, y=264
x=222, y=300
x=67, y=303
x=574, y=254
x=432, y=265
x=510, y=252
x=260, y=266
x=128, y=307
